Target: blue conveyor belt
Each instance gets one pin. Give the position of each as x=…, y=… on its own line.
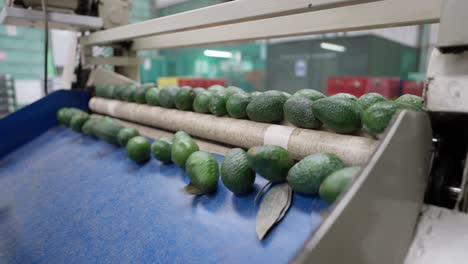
x=68, y=198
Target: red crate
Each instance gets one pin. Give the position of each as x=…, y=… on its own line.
x=413, y=87
x=388, y=87
x=351, y=85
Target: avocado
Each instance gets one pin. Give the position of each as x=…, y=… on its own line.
x=77, y=121
x=307, y=175
x=127, y=94
x=161, y=149
x=184, y=98
x=231, y=90
x=345, y=96
x=199, y=90
x=216, y=88
x=139, y=149
x=271, y=162
x=267, y=107
x=411, y=99
x=255, y=94
x=88, y=126
x=369, y=99
x=217, y=103
x=182, y=148
x=309, y=94
x=340, y=115
x=236, y=105
x=182, y=134
x=284, y=95
x=167, y=96
x=298, y=111
x=117, y=91
x=62, y=115
x=203, y=172
x=107, y=129
x=101, y=90
x=201, y=102
x=139, y=95
x=377, y=117
x=337, y=182
x=125, y=134
x=152, y=96
x=236, y=174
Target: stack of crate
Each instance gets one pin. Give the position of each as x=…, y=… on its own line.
x=7, y=95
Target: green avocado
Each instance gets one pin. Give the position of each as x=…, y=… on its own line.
x=340, y=115
x=181, y=135
x=167, y=96
x=63, y=115
x=199, y=90
x=255, y=94
x=125, y=134
x=217, y=103
x=203, y=172
x=310, y=94
x=201, y=102
x=411, y=99
x=369, y=99
x=139, y=95
x=184, y=98
x=236, y=174
x=107, y=129
x=139, y=149
x=336, y=183
x=307, y=175
x=344, y=96
x=271, y=162
x=231, y=90
x=127, y=93
x=152, y=96
x=88, y=126
x=216, y=88
x=77, y=121
x=377, y=117
x=161, y=149
x=236, y=105
x=298, y=111
x=182, y=148
x=267, y=107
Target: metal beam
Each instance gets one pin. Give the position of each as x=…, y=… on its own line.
x=35, y=18
x=117, y=61
x=388, y=13
x=236, y=11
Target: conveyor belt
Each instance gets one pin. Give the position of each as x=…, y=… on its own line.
x=67, y=197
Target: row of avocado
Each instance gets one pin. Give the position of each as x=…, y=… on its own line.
x=307, y=108
x=321, y=174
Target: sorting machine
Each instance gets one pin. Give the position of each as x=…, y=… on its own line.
x=67, y=197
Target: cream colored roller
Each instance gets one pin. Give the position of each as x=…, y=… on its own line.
x=243, y=133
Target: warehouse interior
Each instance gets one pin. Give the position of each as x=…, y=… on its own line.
x=229, y=131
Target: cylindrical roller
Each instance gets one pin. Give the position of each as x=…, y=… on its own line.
x=156, y=133
x=243, y=133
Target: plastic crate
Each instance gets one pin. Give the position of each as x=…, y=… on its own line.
x=413, y=87
x=388, y=87
x=352, y=85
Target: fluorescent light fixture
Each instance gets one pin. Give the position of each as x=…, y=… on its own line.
x=332, y=47
x=218, y=54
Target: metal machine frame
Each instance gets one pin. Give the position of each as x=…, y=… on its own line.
x=390, y=190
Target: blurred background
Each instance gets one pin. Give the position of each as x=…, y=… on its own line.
x=388, y=61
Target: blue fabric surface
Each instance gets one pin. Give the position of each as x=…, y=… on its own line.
x=68, y=198
x=34, y=119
